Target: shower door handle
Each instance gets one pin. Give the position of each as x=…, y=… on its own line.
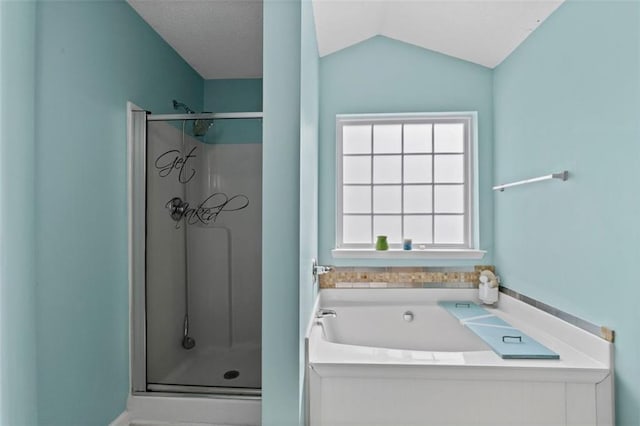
x=177, y=208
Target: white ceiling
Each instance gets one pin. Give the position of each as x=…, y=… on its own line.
x=480, y=31
x=218, y=38
x=223, y=38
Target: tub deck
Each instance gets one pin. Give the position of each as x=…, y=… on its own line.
x=355, y=369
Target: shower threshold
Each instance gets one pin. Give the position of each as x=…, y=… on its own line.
x=205, y=390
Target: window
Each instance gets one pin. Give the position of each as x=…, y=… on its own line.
x=405, y=176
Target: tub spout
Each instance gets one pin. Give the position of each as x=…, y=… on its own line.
x=324, y=313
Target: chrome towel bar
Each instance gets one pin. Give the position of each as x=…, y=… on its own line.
x=564, y=175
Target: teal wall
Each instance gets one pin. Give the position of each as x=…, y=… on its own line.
x=18, y=397
x=281, y=213
x=92, y=57
x=309, y=115
x=569, y=98
x=234, y=95
x=382, y=75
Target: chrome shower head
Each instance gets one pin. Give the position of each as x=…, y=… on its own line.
x=200, y=127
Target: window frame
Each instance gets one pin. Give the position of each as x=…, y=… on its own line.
x=469, y=120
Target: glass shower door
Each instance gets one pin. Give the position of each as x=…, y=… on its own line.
x=203, y=262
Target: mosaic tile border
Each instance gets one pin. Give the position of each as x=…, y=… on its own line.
x=403, y=277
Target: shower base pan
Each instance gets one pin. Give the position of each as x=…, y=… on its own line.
x=213, y=370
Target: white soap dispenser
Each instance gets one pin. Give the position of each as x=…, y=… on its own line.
x=488, y=288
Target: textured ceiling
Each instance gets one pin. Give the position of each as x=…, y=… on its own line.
x=480, y=31
x=218, y=38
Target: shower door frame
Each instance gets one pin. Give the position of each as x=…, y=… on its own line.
x=137, y=119
x=137, y=181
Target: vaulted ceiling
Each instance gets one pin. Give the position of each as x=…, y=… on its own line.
x=223, y=38
x=480, y=31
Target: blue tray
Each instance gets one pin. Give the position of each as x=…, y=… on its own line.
x=506, y=341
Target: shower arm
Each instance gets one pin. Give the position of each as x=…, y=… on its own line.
x=178, y=105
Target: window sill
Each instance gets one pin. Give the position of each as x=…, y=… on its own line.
x=408, y=254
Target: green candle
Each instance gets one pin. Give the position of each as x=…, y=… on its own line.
x=381, y=243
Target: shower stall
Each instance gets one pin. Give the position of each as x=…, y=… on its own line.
x=195, y=256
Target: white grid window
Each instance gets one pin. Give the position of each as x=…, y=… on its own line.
x=404, y=177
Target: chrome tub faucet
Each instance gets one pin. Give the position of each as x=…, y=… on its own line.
x=326, y=313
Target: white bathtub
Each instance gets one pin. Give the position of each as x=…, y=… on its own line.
x=368, y=366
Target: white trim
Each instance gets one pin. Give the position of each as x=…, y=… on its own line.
x=408, y=254
x=470, y=214
x=122, y=420
x=162, y=409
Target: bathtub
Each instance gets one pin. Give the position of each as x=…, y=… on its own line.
x=372, y=365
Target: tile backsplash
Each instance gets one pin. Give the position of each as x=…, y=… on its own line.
x=403, y=277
